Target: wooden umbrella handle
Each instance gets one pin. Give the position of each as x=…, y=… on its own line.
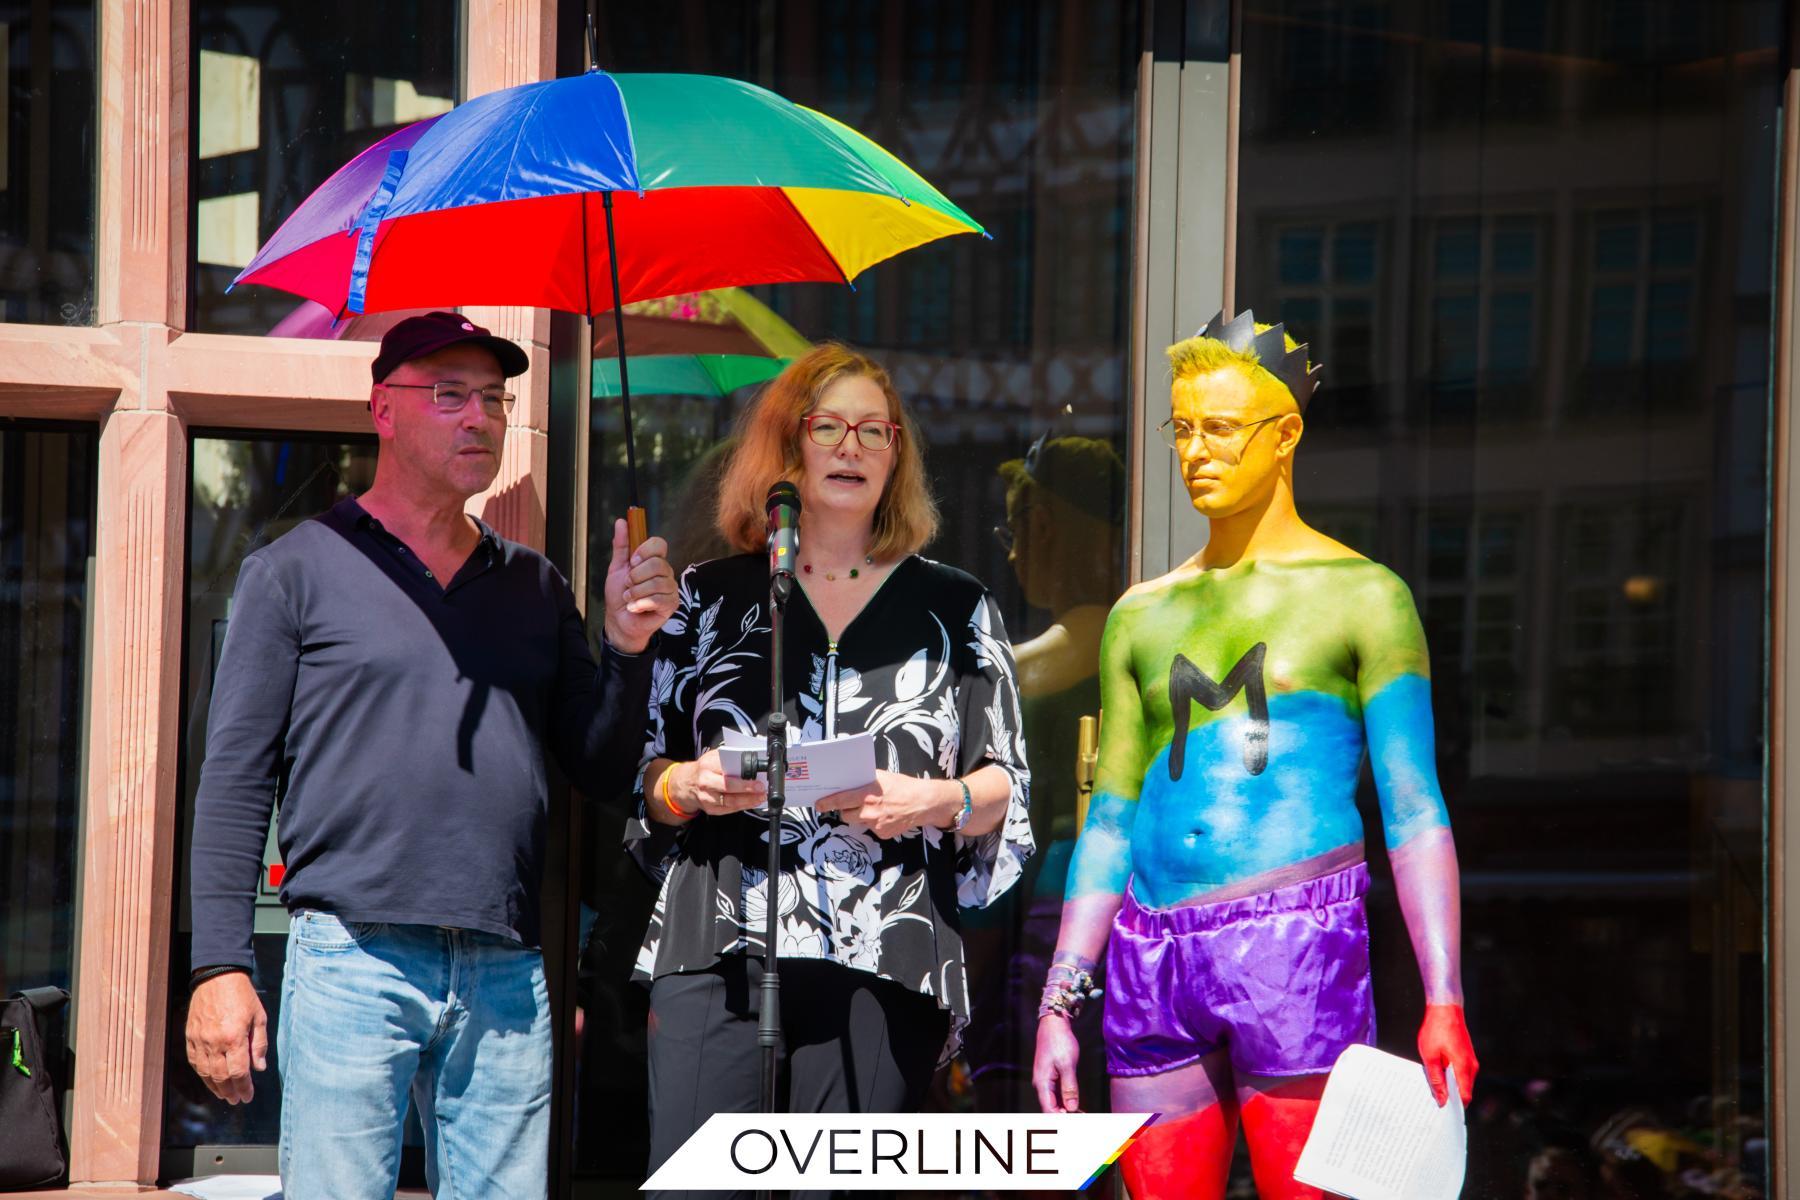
x=637, y=527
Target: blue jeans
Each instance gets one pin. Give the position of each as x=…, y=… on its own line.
x=457, y=1019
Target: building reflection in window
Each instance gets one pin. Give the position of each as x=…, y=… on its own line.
x=47, y=507
x=1567, y=390
x=285, y=95
x=49, y=116
x=1330, y=267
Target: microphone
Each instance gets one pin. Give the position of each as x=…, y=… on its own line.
x=783, y=507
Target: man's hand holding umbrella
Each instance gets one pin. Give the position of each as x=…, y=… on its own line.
x=640, y=591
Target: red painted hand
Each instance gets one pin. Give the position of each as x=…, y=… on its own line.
x=1444, y=1042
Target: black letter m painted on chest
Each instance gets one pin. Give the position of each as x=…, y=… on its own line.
x=1189, y=685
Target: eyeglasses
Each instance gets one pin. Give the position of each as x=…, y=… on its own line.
x=451, y=397
x=1219, y=432
x=874, y=433
x=1004, y=533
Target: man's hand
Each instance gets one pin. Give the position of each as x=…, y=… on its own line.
x=1444, y=1042
x=1053, y=1072
x=640, y=591
x=227, y=1035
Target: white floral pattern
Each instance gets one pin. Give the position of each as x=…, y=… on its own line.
x=927, y=669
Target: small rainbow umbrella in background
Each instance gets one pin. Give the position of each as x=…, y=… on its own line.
x=585, y=193
x=711, y=375
x=705, y=344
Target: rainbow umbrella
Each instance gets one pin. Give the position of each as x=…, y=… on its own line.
x=585, y=193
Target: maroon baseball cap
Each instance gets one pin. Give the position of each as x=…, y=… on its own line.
x=416, y=337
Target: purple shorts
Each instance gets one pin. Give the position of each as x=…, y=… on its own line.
x=1281, y=979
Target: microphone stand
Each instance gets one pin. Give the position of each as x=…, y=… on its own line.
x=773, y=760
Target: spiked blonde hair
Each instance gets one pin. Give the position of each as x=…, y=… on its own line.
x=1267, y=352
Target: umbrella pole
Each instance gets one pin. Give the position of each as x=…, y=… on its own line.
x=637, y=524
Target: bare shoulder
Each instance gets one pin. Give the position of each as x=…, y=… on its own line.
x=1381, y=600
x=1127, y=610
x=1153, y=591
x=1146, y=603
x=1065, y=654
x=1374, y=579
x=1146, y=596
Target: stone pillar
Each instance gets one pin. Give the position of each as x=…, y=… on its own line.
x=141, y=257
x=515, y=504
x=134, y=714
x=512, y=42
x=135, y=686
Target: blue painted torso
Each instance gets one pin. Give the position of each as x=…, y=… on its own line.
x=1219, y=824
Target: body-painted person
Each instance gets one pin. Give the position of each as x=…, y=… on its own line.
x=1221, y=869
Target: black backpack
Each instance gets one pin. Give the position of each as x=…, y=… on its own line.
x=31, y=1153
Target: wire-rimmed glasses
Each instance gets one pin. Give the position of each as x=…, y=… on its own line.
x=450, y=397
x=1220, y=433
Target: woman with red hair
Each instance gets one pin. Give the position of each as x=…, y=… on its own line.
x=877, y=639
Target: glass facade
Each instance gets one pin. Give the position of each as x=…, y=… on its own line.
x=49, y=121
x=47, y=505
x=1531, y=244
x=246, y=491
x=1023, y=115
x=284, y=95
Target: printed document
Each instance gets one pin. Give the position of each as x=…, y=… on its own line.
x=815, y=769
x=1380, y=1134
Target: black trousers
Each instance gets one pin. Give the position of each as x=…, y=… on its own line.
x=850, y=1042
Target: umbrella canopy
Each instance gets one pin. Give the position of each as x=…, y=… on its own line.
x=696, y=344
x=686, y=374
x=585, y=193
x=711, y=182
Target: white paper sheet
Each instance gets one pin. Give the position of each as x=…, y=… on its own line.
x=815, y=769
x=231, y=1187
x=1380, y=1135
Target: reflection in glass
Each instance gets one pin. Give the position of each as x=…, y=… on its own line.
x=1564, y=367
x=47, y=501
x=1024, y=116
x=246, y=492
x=285, y=95
x=1065, y=526
x=48, y=121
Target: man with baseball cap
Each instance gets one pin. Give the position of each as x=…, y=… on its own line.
x=396, y=671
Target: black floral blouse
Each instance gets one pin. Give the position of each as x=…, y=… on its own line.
x=926, y=668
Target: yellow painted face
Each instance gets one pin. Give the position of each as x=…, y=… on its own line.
x=1232, y=437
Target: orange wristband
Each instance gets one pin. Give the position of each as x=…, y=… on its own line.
x=668, y=800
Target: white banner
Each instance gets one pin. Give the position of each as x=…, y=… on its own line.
x=893, y=1152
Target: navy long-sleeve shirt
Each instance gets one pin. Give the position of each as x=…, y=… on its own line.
x=405, y=720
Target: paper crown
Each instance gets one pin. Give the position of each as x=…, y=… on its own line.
x=1270, y=347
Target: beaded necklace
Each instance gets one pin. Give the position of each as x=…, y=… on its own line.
x=868, y=561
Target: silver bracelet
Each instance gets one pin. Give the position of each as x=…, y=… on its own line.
x=962, y=818
x=1066, y=990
